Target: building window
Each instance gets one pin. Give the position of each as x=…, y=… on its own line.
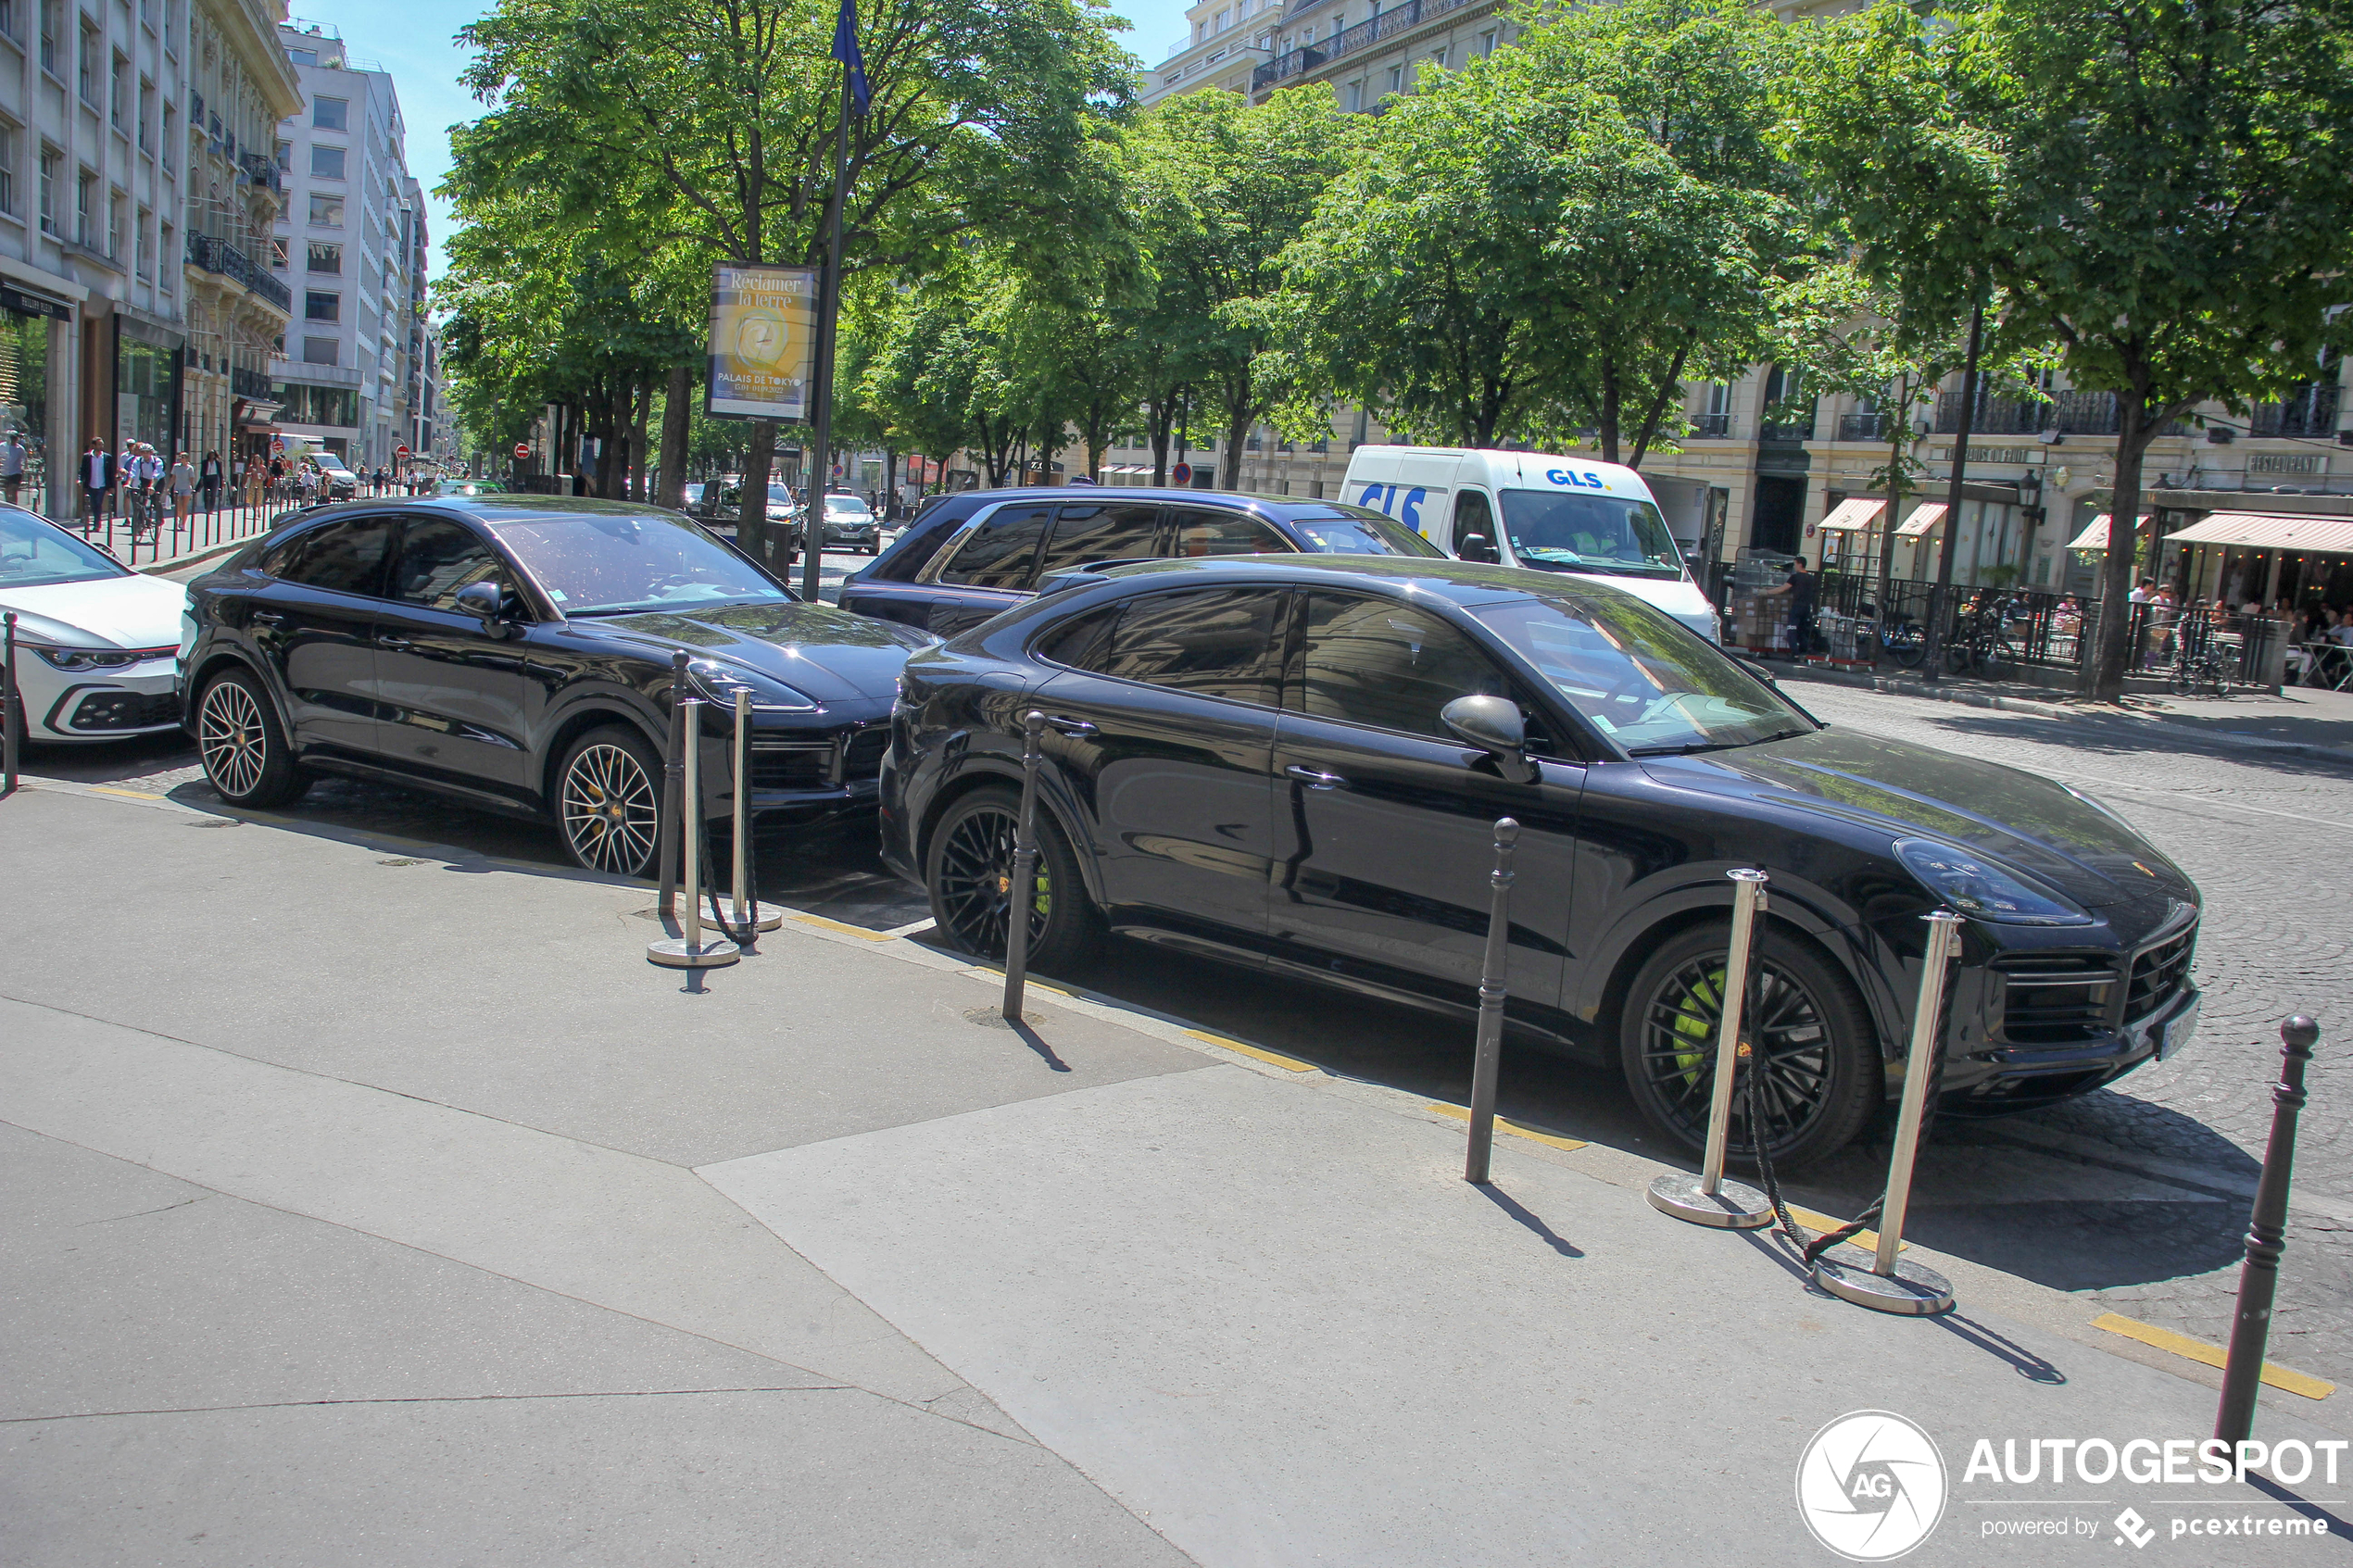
x=1220, y=22
x=285, y=157
x=1397, y=79
x=1438, y=58
x=326, y=163
x=116, y=106
x=163, y=255
x=303, y=57
x=278, y=254
x=7, y=169
x=331, y=114
x=9, y=23
x=326, y=212
x=318, y=351
x=49, y=191
x=320, y=305
x=86, y=68
x=326, y=258
x=147, y=116
x=1487, y=43
x=1355, y=97
x=85, y=196
x=114, y=229
x=171, y=130
x=141, y=255
x=49, y=36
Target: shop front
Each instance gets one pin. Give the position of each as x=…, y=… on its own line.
x=27, y=324
x=146, y=382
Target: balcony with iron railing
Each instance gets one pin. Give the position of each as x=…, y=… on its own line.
x=1713, y=427
x=219, y=256
x=1786, y=424
x=2069, y=413
x=1862, y=427
x=2310, y=413
x=1387, y=24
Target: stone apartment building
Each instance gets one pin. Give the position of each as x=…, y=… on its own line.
x=1766, y=466
x=351, y=246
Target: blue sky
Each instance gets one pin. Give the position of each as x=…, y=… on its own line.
x=414, y=39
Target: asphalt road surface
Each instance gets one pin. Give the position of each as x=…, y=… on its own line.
x=2136, y=1194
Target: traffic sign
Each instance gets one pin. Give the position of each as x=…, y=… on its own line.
x=1181, y=474
x=400, y=451
x=277, y=445
x=522, y=451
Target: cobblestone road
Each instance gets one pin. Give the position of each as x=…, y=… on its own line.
x=2269, y=839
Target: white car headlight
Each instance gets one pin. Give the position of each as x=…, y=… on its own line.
x=85, y=659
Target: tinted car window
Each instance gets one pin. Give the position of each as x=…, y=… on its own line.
x=1080, y=644
x=1000, y=553
x=1375, y=662
x=438, y=558
x=1119, y=531
x=1214, y=642
x=1358, y=531
x=346, y=557
x=612, y=562
x=1204, y=531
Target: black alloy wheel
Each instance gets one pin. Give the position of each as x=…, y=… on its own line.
x=1804, y=1023
x=609, y=802
x=244, y=747
x=969, y=872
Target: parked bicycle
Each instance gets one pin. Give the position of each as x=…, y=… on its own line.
x=2201, y=668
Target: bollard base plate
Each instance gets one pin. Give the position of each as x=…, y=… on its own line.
x=1733, y=1205
x=769, y=916
x=676, y=954
x=1914, y=1290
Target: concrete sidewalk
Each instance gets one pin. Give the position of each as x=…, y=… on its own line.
x=381, y=1207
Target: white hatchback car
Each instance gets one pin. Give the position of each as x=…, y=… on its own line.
x=98, y=643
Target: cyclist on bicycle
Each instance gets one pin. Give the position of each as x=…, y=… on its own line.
x=147, y=476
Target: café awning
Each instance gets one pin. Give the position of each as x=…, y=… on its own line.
x=2272, y=530
x=1848, y=516
x=1923, y=518
x=2094, y=534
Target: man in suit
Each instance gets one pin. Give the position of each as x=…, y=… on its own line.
x=97, y=483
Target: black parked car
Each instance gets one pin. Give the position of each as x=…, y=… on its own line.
x=514, y=652
x=1295, y=764
x=972, y=555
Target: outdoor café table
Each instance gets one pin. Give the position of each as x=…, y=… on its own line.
x=2327, y=664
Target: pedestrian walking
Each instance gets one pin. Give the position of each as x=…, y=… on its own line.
x=183, y=487
x=97, y=484
x=1798, y=587
x=208, y=477
x=277, y=478
x=12, y=459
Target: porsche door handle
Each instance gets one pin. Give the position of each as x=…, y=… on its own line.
x=265, y=617
x=394, y=642
x=1315, y=778
x=1069, y=727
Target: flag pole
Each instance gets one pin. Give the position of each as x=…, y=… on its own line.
x=813, y=523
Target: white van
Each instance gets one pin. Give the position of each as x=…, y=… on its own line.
x=1558, y=514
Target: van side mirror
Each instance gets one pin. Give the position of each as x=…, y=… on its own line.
x=482, y=601
x=1494, y=724
x=1478, y=548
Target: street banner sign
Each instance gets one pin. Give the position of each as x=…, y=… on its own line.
x=763, y=341
x=1181, y=474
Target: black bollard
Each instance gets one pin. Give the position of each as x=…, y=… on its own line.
x=673, y=786
x=10, y=703
x=2265, y=1238
x=1021, y=891
x=1494, y=975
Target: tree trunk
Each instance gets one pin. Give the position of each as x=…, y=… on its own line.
x=1899, y=438
x=676, y=431
x=1238, y=419
x=1933, y=661
x=2104, y=679
x=751, y=521
x=640, y=484
x=1644, y=436
x=1610, y=399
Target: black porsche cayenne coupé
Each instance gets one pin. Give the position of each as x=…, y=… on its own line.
x=1294, y=764
x=514, y=652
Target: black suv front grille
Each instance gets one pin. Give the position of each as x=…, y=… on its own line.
x=2056, y=998
x=791, y=765
x=863, y=752
x=2158, y=974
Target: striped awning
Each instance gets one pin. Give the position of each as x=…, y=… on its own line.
x=1848, y=516
x=2272, y=530
x=2094, y=534
x=1923, y=518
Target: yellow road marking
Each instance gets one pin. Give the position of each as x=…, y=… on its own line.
x=858, y=930
x=1867, y=1240
x=2198, y=1350
x=1287, y=1064
x=133, y=793
x=1460, y=1114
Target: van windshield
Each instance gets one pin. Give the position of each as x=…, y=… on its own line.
x=1554, y=531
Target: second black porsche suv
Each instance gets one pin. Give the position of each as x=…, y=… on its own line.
x=1294, y=763
x=514, y=652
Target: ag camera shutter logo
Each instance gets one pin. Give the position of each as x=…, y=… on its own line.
x=1870, y=1485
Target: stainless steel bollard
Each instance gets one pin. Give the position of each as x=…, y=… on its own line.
x=2265, y=1238
x=748, y=909
x=672, y=777
x=1707, y=1199
x=1021, y=892
x=9, y=706
x=691, y=951
x=1891, y=1285
x=1495, y=976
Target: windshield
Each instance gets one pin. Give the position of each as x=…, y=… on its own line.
x=1554, y=531
x=602, y=563
x=780, y=495
x=850, y=504
x=33, y=553
x=469, y=487
x=1639, y=676
x=1360, y=531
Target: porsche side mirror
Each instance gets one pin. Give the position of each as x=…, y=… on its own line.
x=482, y=601
x=1494, y=724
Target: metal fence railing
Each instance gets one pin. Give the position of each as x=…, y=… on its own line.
x=134, y=532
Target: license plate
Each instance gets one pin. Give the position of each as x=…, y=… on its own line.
x=2177, y=1029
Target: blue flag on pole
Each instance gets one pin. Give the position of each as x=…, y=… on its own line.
x=846, y=51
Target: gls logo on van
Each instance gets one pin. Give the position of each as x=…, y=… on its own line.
x=1563, y=476
x=1384, y=496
